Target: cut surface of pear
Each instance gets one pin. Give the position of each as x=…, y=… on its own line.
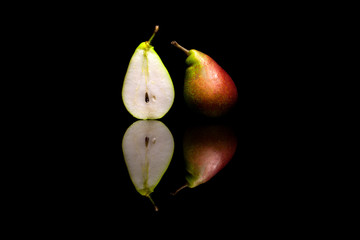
x=148, y=91
x=148, y=147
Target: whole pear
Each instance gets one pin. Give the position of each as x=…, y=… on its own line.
x=207, y=150
x=208, y=88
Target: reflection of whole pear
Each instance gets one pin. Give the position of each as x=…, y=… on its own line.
x=148, y=147
x=207, y=149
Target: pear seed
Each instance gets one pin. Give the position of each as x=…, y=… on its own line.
x=146, y=141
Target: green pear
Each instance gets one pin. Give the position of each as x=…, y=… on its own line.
x=148, y=147
x=148, y=91
x=207, y=150
x=208, y=88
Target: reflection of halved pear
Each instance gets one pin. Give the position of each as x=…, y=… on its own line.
x=148, y=147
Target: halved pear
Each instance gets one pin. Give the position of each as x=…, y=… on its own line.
x=148, y=91
x=148, y=147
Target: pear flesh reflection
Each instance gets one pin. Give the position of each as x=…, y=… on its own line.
x=148, y=147
x=148, y=91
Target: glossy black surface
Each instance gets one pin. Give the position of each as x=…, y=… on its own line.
x=105, y=187
x=84, y=178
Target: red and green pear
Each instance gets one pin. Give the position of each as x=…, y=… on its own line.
x=207, y=150
x=208, y=88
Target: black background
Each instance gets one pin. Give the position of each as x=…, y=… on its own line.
x=83, y=53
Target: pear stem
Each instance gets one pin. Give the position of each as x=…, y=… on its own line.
x=153, y=35
x=181, y=188
x=152, y=201
x=180, y=47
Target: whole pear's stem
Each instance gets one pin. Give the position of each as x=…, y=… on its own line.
x=180, y=47
x=153, y=35
x=156, y=208
x=181, y=188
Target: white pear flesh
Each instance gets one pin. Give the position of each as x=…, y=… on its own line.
x=148, y=147
x=148, y=91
